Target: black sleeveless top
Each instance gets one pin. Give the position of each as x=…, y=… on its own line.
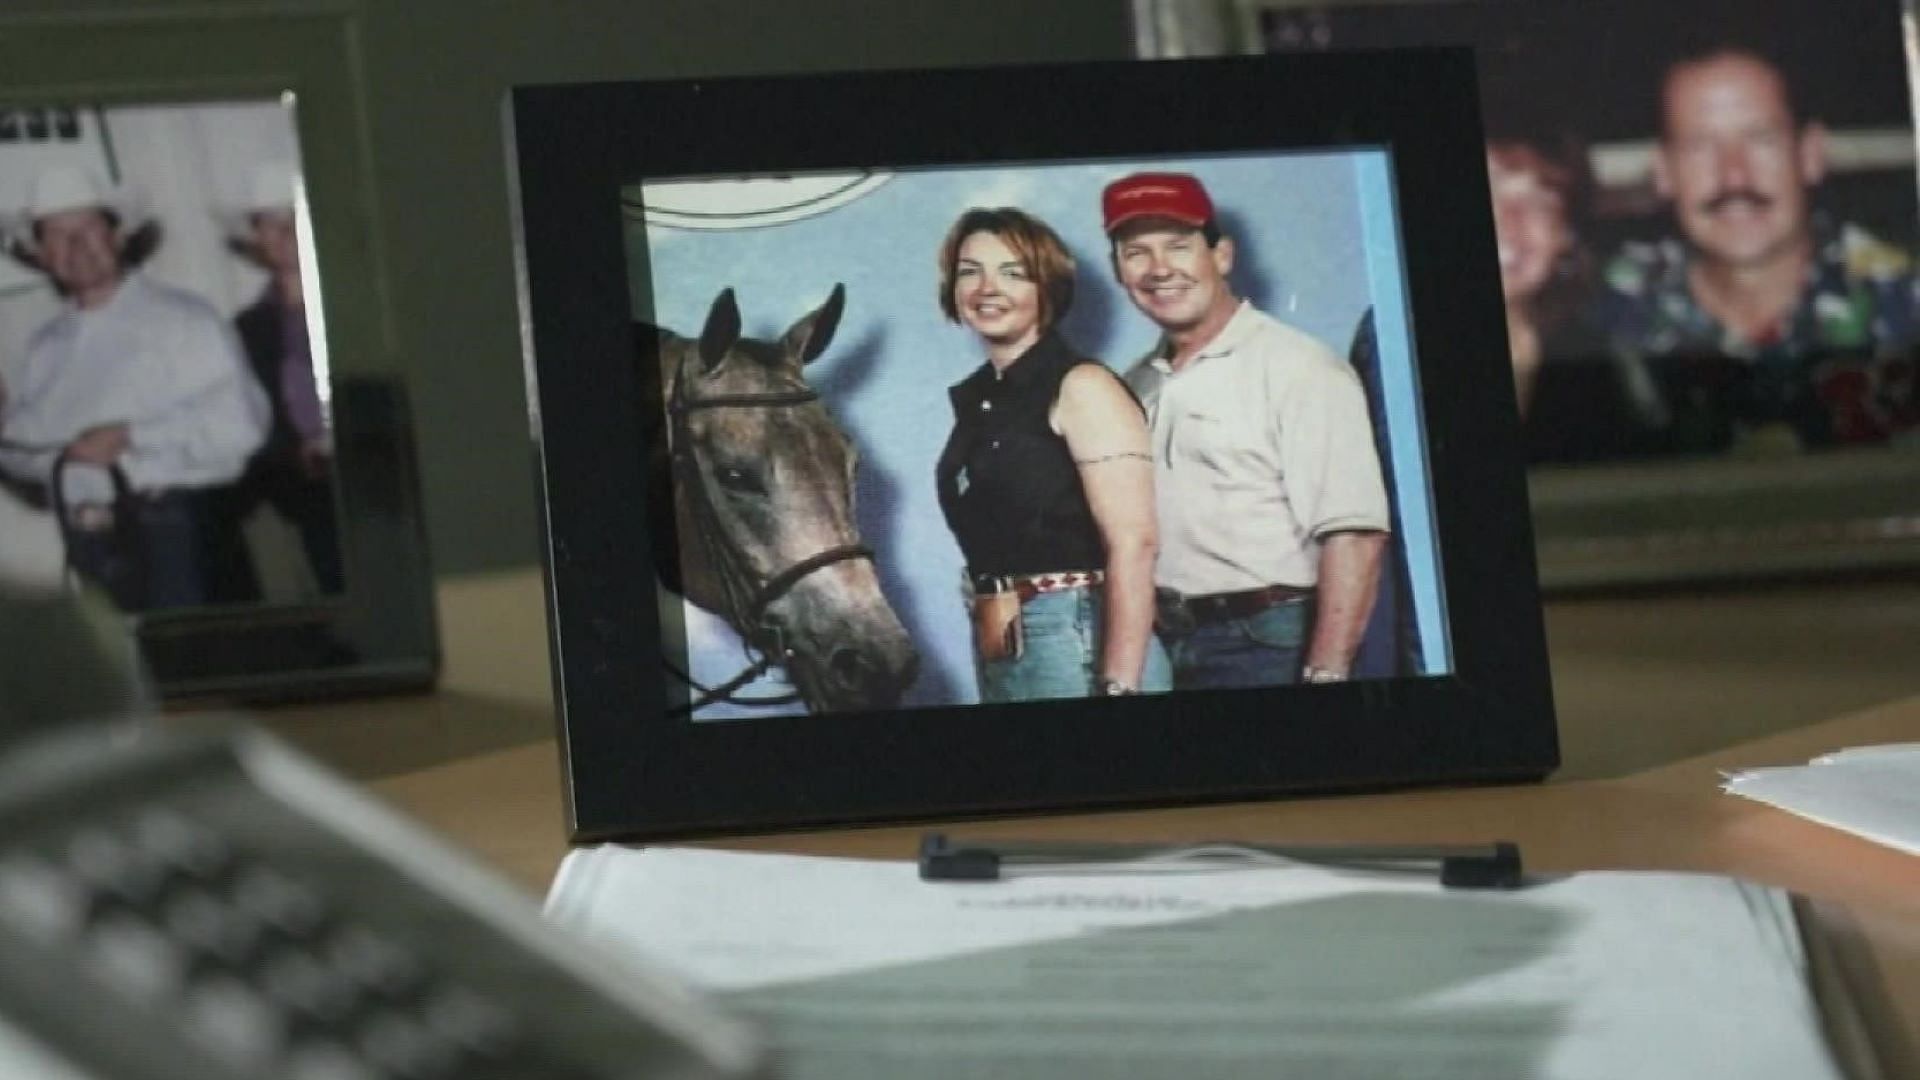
x=1007, y=483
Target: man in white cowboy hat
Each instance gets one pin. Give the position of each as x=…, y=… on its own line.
x=135, y=386
x=293, y=471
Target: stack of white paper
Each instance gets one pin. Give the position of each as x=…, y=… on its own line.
x=859, y=969
x=1870, y=791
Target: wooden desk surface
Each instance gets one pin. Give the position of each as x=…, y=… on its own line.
x=505, y=805
x=478, y=761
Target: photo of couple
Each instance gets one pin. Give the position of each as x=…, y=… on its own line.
x=1764, y=316
x=1706, y=216
x=1058, y=431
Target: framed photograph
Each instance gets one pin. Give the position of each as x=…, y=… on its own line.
x=843, y=526
x=1707, y=221
x=195, y=422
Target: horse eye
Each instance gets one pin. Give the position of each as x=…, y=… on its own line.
x=742, y=479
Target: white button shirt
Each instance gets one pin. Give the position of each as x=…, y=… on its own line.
x=1262, y=446
x=159, y=360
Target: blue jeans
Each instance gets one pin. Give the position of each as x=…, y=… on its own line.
x=165, y=566
x=1260, y=650
x=1061, y=653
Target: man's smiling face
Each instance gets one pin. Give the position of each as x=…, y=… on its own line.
x=1170, y=273
x=80, y=250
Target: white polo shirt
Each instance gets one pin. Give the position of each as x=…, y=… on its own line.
x=1262, y=446
x=162, y=362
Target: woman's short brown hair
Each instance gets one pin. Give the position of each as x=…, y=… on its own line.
x=1039, y=248
x=1560, y=162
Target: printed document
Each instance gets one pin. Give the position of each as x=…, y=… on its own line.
x=1870, y=791
x=858, y=968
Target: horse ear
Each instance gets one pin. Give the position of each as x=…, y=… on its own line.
x=810, y=336
x=721, y=331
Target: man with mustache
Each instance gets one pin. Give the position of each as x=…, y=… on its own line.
x=1272, y=510
x=1767, y=324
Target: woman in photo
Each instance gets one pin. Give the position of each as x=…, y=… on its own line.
x=1573, y=395
x=1046, y=480
x=1544, y=269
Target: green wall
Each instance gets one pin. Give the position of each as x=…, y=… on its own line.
x=430, y=76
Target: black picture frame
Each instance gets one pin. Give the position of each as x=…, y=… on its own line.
x=632, y=771
x=379, y=633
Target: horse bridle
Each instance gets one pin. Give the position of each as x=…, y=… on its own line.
x=748, y=601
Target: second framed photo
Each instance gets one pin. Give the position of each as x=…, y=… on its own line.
x=1707, y=221
x=1034, y=442
x=200, y=416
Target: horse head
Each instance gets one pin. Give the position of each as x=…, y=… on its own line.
x=764, y=509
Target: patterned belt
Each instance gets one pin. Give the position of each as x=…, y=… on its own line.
x=1032, y=585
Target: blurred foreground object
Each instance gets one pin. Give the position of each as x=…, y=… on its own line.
x=64, y=657
x=216, y=906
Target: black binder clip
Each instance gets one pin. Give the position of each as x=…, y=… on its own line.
x=1497, y=868
x=1458, y=866
x=941, y=861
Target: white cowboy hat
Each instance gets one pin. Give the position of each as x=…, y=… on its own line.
x=74, y=187
x=270, y=188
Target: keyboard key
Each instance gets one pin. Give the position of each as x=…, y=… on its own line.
x=235, y=1023
x=298, y=981
x=41, y=901
x=96, y=854
x=224, y=933
x=172, y=840
x=135, y=959
x=278, y=901
x=111, y=865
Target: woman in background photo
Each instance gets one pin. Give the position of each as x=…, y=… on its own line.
x=1573, y=394
x=1046, y=479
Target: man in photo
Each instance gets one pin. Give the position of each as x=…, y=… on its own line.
x=1272, y=511
x=293, y=471
x=131, y=406
x=1765, y=322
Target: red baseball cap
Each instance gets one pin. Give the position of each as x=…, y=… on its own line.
x=1175, y=196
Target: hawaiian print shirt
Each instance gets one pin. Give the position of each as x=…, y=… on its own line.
x=1839, y=369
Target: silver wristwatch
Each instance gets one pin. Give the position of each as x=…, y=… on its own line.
x=1110, y=687
x=1312, y=674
